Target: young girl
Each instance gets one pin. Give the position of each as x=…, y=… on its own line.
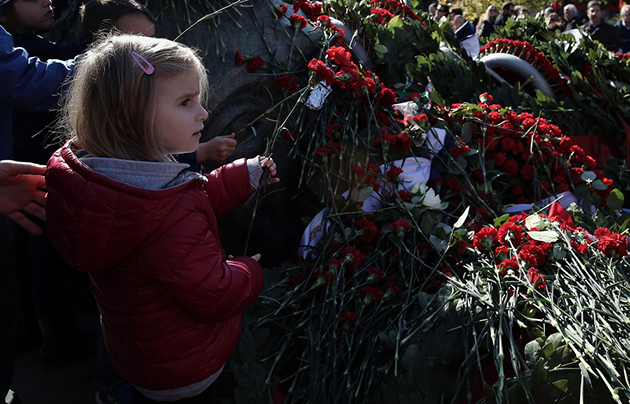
x=144, y=227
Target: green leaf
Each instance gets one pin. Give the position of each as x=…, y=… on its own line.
x=439, y=244
x=533, y=353
x=466, y=135
x=588, y=176
x=582, y=191
x=380, y=48
x=559, y=252
x=563, y=385
x=365, y=194
x=436, y=98
x=615, y=200
x=599, y=185
x=546, y=236
x=426, y=224
x=501, y=219
x=540, y=375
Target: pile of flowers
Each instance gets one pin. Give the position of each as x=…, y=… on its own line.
x=531, y=55
x=427, y=290
x=431, y=293
x=515, y=158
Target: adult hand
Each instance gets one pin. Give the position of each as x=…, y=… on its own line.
x=217, y=149
x=22, y=188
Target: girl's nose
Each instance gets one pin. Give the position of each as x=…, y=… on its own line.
x=204, y=114
x=47, y=3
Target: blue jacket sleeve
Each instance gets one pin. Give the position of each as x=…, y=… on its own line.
x=29, y=83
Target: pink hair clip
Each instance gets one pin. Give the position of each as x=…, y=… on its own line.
x=147, y=67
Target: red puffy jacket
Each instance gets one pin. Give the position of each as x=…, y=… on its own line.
x=170, y=299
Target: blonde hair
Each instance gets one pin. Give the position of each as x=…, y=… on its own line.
x=110, y=106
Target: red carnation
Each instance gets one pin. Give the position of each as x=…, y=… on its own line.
x=527, y=172
x=485, y=98
x=506, y=265
x=287, y=82
x=395, y=290
x=507, y=144
x=528, y=257
x=254, y=64
x=375, y=274
x=510, y=232
x=459, y=150
x=353, y=256
x=366, y=230
x=400, y=224
x=404, y=195
x=289, y=136
x=350, y=317
x=334, y=128
x=387, y=97
x=340, y=56
x=238, y=59
x=536, y=278
x=500, y=159
x=393, y=172
x=298, y=21
x=614, y=245
x=371, y=291
x=485, y=238
x=510, y=167
x=602, y=232
x=281, y=11
x=322, y=71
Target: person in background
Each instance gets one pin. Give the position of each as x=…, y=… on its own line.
x=546, y=11
x=506, y=13
x=623, y=26
x=432, y=10
x=126, y=16
x=571, y=17
x=554, y=23
x=143, y=226
x=454, y=12
x=485, y=27
x=442, y=11
x=600, y=30
x=60, y=296
x=22, y=189
x=466, y=34
x=520, y=12
x=26, y=83
x=25, y=19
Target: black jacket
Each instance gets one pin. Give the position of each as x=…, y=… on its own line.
x=501, y=20
x=606, y=34
x=624, y=32
x=486, y=28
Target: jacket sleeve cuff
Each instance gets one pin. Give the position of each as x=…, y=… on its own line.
x=254, y=170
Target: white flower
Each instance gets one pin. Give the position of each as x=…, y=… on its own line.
x=534, y=222
x=431, y=200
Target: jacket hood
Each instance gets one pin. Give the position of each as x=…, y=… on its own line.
x=96, y=219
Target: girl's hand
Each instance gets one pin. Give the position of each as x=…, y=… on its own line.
x=268, y=163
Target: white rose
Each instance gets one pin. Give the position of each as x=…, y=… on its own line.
x=534, y=222
x=431, y=200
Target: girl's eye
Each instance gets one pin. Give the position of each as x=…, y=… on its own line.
x=185, y=103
